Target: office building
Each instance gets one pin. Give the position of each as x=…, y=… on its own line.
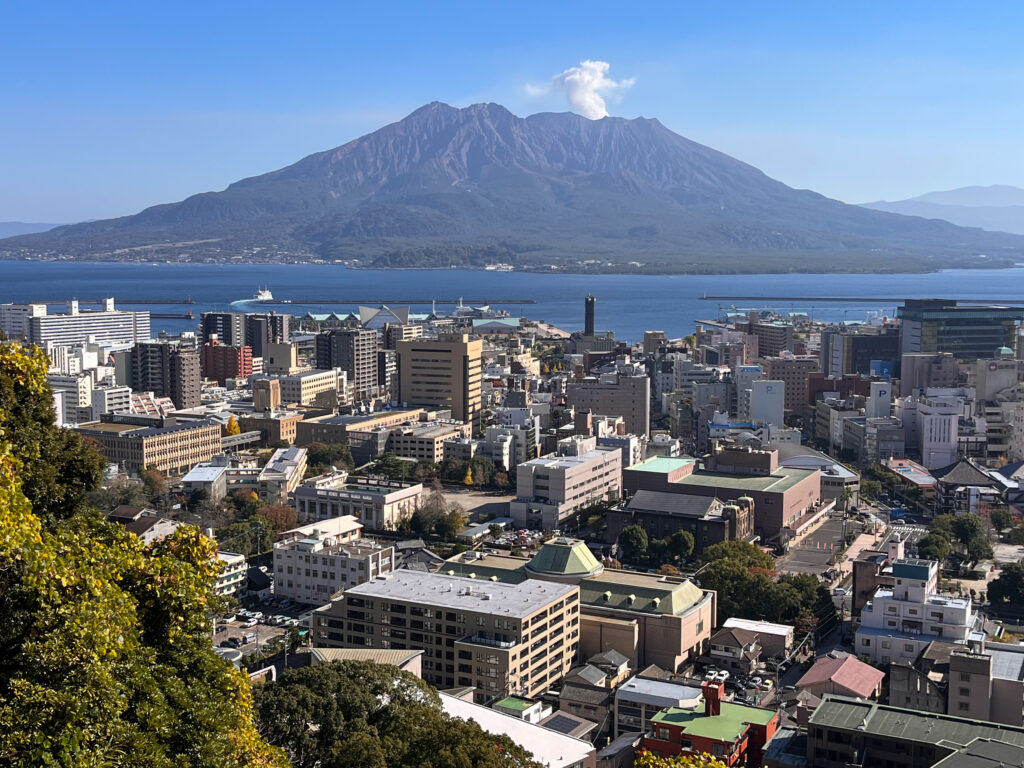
x=902, y=619
x=615, y=394
x=221, y=362
x=166, y=369
x=173, y=450
x=934, y=326
x=314, y=562
x=795, y=373
x=425, y=441
x=550, y=489
x=277, y=426
x=396, y=332
x=846, y=351
x=34, y=323
x=380, y=505
x=922, y=372
x=266, y=395
x=353, y=350
x=499, y=639
x=227, y=328
x=768, y=402
x=709, y=520
x=443, y=373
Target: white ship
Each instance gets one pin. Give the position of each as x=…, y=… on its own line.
x=263, y=295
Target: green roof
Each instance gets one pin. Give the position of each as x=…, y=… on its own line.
x=727, y=726
x=782, y=479
x=515, y=703
x=646, y=593
x=662, y=464
x=565, y=557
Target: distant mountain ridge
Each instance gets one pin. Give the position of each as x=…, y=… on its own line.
x=12, y=228
x=466, y=187
x=997, y=208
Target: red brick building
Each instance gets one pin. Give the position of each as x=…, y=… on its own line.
x=222, y=362
x=735, y=734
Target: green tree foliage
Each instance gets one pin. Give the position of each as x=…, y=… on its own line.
x=634, y=541
x=1001, y=518
x=1008, y=587
x=744, y=552
x=105, y=656
x=943, y=525
x=1016, y=535
x=63, y=469
x=451, y=523
x=978, y=548
x=320, y=457
x=391, y=467
x=250, y=536
x=680, y=545
x=934, y=546
x=870, y=489
x=966, y=528
x=358, y=714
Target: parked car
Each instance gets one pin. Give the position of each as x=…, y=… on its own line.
x=256, y=615
x=234, y=642
x=221, y=628
x=722, y=676
x=226, y=644
x=250, y=623
x=710, y=674
x=756, y=682
x=228, y=618
x=249, y=638
x=839, y=592
x=767, y=685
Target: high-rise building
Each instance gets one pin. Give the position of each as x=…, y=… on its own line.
x=615, y=394
x=589, y=315
x=241, y=329
x=167, y=370
x=932, y=326
x=35, y=324
x=795, y=372
x=851, y=350
x=227, y=327
x=444, y=373
x=396, y=332
x=354, y=350
x=221, y=362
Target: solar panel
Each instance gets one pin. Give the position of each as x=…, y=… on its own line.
x=562, y=724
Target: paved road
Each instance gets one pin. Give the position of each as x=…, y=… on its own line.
x=812, y=554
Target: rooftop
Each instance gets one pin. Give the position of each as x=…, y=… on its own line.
x=663, y=693
x=852, y=674
x=729, y=725
x=782, y=479
x=662, y=464
x=565, y=557
x=873, y=719
x=681, y=504
x=549, y=747
x=514, y=703
x=642, y=592
x=378, y=655
x=518, y=600
x=761, y=627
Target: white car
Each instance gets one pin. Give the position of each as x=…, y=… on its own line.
x=722, y=676
x=711, y=674
x=250, y=623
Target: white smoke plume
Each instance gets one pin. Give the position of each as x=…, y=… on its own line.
x=586, y=87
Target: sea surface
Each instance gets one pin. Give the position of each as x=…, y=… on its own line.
x=626, y=304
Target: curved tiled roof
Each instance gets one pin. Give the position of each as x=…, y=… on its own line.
x=565, y=557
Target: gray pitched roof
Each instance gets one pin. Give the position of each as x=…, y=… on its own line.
x=681, y=504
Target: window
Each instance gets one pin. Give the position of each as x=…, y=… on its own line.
x=963, y=706
x=965, y=677
x=663, y=734
x=908, y=647
x=866, y=642
x=965, y=691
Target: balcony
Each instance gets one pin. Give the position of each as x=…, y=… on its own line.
x=490, y=642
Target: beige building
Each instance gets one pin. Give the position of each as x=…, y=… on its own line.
x=336, y=429
x=443, y=373
x=615, y=394
x=172, y=450
x=426, y=441
x=266, y=395
x=231, y=579
x=377, y=504
x=795, y=372
x=310, y=387
x=314, y=562
x=550, y=489
x=275, y=426
x=500, y=639
x=648, y=618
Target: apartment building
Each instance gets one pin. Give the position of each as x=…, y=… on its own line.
x=166, y=369
x=230, y=581
x=380, y=505
x=443, y=373
x=314, y=562
x=173, y=450
x=221, y=362
x=982, y=681
x=308, y=387
x=901, y=620
x=353, y=350
x=615, y=394
x=500, y=639
x=550, y=489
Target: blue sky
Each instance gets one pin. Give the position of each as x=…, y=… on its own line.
x=110, y=107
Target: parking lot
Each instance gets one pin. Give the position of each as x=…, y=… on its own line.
x=259, y=633
x=812, y=554
x=479, y=503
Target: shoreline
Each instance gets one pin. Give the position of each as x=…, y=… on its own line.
x=524, y=270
